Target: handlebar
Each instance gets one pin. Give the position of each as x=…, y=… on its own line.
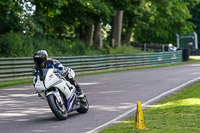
x=57, y=71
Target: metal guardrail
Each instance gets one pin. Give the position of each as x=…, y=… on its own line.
x=21, y=68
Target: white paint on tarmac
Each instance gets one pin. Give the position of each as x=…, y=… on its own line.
x=116, y=120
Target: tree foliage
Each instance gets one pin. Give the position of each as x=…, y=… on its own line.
x=10, y=16
x=149, y=21
x=195, y=12
x=167, y=18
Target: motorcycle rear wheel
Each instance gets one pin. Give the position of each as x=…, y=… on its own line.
x=58, y=110
x=84, y=106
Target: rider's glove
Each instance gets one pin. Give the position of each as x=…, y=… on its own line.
x=66, y=70
x=34, y=71
x=62, y=74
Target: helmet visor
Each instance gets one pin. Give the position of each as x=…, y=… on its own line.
x=39, y=61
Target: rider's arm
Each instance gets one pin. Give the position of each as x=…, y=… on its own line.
x=64, y=70
x=59, y=66
x=52, y=63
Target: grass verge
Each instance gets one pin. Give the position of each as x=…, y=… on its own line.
x=15, y=82
x=178, y=113
x=27, y=81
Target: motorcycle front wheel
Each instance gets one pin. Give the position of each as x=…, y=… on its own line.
x=58, y=109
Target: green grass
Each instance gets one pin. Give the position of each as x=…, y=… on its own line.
x=178, y=113
x=27, y=81
x=15, y=82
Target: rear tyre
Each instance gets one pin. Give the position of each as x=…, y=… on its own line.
x=84, y=106
x=58, y=109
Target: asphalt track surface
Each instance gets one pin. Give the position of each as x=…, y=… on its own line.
x=110, y=96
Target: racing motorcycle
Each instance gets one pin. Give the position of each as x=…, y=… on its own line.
x=59, y=93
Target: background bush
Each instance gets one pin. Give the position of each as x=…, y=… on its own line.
x=7, y=48
x=21, y=45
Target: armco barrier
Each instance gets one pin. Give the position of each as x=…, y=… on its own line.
x=21, y=67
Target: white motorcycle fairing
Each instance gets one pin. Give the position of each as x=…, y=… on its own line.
x=55, y=80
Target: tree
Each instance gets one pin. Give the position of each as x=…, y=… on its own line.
x=117, y=28
x=134, y=15
x=87, y=19
x=195, y=11
x=10, y=16
x=44, y=12
x=119, y=7
x=167, y=18
x=74, y=16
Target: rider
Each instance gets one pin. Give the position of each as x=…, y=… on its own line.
x=41, y=60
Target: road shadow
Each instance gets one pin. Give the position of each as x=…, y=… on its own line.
x=51, y=118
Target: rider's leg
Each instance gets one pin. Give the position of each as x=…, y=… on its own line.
x=70, y=77
x=78, y=88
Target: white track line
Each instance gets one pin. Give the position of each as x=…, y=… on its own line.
x=97, y=129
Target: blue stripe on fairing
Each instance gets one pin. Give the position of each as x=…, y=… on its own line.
x=70, y=101
x=67, y=102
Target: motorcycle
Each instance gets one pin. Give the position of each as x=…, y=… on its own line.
x=59, y=93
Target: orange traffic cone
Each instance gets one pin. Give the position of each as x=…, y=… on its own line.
x=139, y=120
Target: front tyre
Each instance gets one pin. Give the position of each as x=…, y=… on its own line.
x=84, y=105
x=58, y=109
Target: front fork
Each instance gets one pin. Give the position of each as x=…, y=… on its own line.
x=56, y=93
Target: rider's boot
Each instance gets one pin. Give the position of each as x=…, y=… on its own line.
x=79, y=90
